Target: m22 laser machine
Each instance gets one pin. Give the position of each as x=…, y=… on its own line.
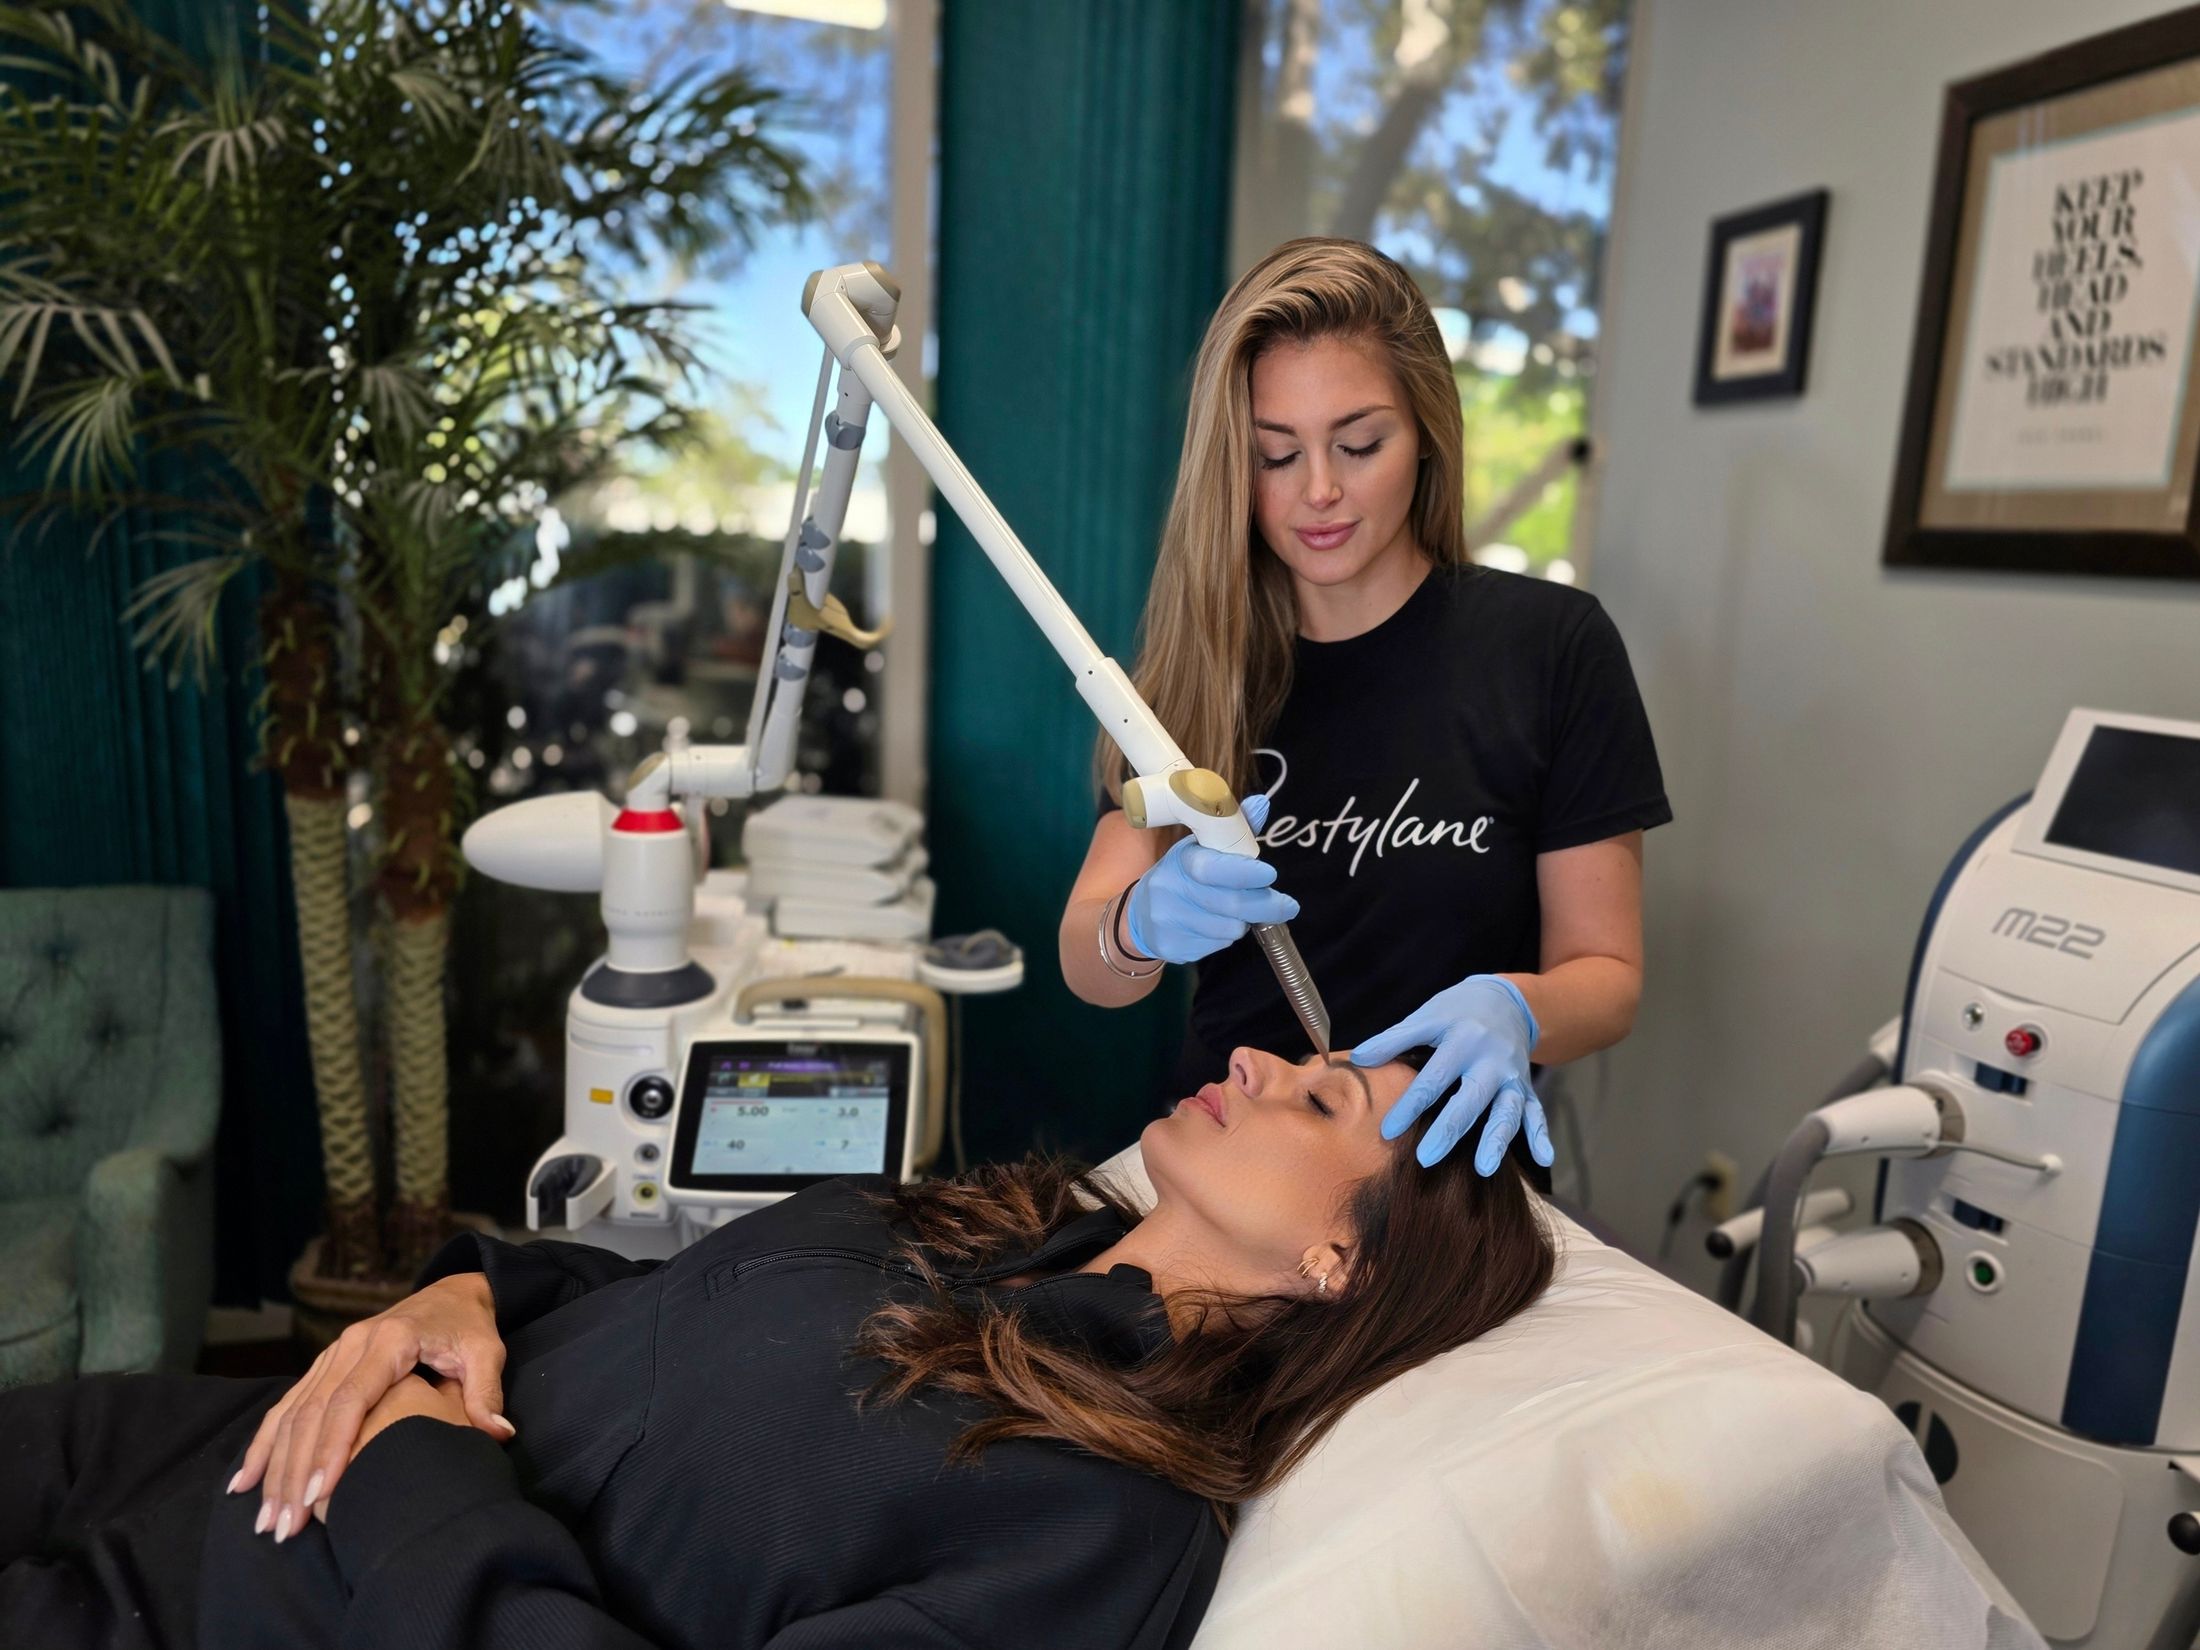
x=687, y=1099
x=2027, y=1297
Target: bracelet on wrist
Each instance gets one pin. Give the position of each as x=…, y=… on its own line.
x=1119, y=929
x=1122, y=969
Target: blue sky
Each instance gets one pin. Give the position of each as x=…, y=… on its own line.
x=754, y=334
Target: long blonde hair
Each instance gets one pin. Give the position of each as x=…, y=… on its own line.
x=1216, y=641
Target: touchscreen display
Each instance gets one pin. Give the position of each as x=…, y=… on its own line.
x=2134, y=796
x=790, y=1111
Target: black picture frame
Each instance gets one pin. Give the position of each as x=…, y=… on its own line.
x=2140, y=47
x=1807, y=212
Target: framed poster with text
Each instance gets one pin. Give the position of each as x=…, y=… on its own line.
x=2052, y=422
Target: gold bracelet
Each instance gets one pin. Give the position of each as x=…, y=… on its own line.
x=1107, y=944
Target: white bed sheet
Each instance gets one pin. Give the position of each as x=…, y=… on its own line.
x=1622, y=1467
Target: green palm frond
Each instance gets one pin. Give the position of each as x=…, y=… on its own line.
x=377, y=255
x=399, y=399
x=58, y=50
x=441, y=106
x=234, y=145
x=175, y=614
x=87, y=433
x=26, y=326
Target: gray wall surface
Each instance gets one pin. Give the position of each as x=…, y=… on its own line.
x=1830, y=731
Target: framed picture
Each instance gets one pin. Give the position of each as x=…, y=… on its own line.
x=1758, y=287
x=2053, y=418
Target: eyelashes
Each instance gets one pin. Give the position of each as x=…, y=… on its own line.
x=1317, y=1103
x=1368, y=451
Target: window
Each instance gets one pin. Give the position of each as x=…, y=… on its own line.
x=1474, y=141
x=643, y=614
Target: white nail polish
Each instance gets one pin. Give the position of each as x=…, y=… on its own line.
x=282, y=1527
x=509, y=1429
x=267, y=1517
x=235, y=1479
x=313, y=1488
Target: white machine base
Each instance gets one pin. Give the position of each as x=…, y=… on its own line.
x=2044, y=1507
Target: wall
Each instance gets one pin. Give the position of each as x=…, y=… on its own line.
x=1830, y=731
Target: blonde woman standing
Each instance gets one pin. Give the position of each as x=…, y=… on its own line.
x=1449, y=768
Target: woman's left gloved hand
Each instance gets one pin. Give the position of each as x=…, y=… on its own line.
x=1482, y=1031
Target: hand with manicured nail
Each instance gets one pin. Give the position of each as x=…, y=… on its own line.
x=307, y=1440
x=1482, y=1032
x=1198, y=900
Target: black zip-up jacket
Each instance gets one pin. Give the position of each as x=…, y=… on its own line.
x=692, y=1468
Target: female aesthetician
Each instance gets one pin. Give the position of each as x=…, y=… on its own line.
x=1449, y=767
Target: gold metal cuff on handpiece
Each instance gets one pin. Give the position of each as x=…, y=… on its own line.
x=1200, y=789
x=833, y=618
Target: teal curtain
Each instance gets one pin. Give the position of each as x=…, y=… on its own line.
x=110, y=775
x=1083, y=203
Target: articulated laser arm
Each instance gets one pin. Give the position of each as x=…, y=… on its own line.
x=852, y=307
x=575, y=843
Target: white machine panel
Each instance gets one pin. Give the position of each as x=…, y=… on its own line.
x=1991, y=1334
x=2052, y=934
x=2056, y=1006
x=2043, y=1509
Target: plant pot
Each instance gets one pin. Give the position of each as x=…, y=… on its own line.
x=323, y=1306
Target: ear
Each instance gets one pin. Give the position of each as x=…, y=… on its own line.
x=1326, y=1267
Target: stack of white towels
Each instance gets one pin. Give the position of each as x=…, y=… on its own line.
x=839, y=868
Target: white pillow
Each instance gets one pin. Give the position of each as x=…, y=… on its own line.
x=1622, y=1465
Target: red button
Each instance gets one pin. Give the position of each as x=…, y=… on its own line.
x=2023, y=1042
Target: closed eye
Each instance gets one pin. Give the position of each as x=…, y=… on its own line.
x=1368, y=451
x=1318, y=1103
x=1320, y=1068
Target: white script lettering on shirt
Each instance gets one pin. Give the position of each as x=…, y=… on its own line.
x=1410, y=831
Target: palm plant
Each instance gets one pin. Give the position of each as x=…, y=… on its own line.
x=363, y=267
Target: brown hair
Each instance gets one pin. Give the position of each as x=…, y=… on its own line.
x=1442, y=1255
x=1214, y=659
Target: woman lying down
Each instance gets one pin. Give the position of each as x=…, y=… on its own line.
x=962, y=1413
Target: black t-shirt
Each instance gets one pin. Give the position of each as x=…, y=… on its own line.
x=1415, y=773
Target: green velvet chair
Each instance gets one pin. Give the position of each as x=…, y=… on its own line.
x=110, y=1086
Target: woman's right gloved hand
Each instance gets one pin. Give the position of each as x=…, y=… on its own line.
x=305, y=1442
x=1198, y=900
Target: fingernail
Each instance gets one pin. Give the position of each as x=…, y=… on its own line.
x=313, y=1488
x=235, y=1480
x=267, y=1517
x=282, y=1527
x=510, y=1430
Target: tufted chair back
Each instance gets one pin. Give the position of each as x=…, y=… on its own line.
x=104, y=994
x=110, y=1088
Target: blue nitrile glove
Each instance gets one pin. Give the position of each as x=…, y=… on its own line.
x=1482, y=1031
x=1198, y=900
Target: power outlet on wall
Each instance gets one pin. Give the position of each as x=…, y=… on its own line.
x=1718, y=1197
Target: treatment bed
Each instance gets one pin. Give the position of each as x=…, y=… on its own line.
x=1623, y=1466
